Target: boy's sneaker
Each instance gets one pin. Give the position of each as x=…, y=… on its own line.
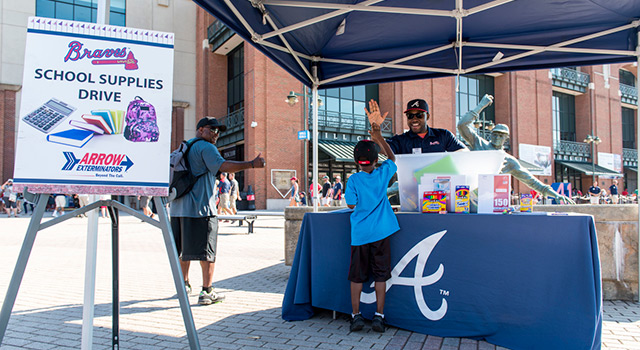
x=377, y=323
x=357, y=323
x=210, y=298
x=187, y=287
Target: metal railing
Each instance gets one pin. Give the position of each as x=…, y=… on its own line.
x=347, y=123
x=571, y=75
x=218, y=34
x=235, y=128
x=630, y=154
x=571, y=79
x=629, y=94
x=572, y=147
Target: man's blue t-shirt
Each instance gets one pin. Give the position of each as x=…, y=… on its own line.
x=613, y=189
x=372, y=219
x=337, y=191
x=224, y=186
x=594, y=190
x=436, y=140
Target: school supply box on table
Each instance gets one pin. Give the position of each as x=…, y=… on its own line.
x=462, y=169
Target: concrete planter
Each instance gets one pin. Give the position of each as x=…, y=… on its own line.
x=617, y=229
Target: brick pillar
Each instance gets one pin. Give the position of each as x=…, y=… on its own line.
x=7, y=131
x=177, y=123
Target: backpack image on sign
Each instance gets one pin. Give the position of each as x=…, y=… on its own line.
x=142, y=125
x=181, y=179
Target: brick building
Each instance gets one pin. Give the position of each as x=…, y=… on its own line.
x=217, y=73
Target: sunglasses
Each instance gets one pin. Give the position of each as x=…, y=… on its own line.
x=415, y=115
x=214, y=130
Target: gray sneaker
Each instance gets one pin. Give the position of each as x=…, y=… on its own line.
x=210, y=298
x=377, y=324
x=357, y=323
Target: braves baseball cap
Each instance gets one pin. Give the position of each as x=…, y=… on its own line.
x=365, y=152
x=211, y=121
x=417, y=105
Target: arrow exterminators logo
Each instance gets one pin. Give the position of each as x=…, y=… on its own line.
x=102, y=164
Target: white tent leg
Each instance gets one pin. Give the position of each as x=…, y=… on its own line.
x=314, y=98
x=638, y=144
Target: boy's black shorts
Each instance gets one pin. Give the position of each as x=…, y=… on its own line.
x=196, y=238
x=371, y=258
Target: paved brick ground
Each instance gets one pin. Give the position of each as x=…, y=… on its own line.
x=250, y=270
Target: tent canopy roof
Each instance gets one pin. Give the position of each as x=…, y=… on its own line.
x=355, y=42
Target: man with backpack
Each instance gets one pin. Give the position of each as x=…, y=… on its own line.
x=193, y=215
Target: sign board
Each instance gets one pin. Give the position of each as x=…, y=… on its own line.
x=95, y=115
x=610, y=161
x=537, y=155
x=303, y=135
x=281, y=180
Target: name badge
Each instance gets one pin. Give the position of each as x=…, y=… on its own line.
x=416, y=151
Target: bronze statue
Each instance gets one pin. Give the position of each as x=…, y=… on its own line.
x=499, y=136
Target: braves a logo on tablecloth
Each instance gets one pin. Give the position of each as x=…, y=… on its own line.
x=421, y=252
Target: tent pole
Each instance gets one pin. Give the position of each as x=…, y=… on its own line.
x=314, y=98
x=638, y=144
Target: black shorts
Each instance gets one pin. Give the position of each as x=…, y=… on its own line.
x=196, y=238
x=371, y=259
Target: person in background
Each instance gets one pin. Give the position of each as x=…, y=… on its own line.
x=61, y=202
x=372, y=224
x=144, y=205
x=103, y=209
x=295, y=189
x=225, y=191
x=10, y=198
x=595, y=192
x=303, y=199
x=234, y=196
x=613, y=192
x=326, y=191
x=336, y=197
x=312, y=192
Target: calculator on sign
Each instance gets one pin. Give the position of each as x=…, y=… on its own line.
x=49, y=115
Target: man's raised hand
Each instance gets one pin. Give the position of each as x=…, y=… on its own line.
x=374, y=113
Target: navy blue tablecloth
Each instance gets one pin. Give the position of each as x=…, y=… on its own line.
x=522, y=281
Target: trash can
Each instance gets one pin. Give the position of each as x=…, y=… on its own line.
x=251, y=199
x=242, y=204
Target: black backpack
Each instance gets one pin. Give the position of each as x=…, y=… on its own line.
x=181, y=179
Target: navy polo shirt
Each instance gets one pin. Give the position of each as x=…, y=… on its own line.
x=594, y=190
x=436, y=140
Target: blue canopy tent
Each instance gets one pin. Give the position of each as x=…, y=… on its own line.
x=341, y=43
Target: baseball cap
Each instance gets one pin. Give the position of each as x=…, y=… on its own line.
x=211, y=121
x=417, y=105
x=365, y=152
x=294, y=178
x=325, y=177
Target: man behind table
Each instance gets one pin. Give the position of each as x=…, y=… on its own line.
x=421, y=138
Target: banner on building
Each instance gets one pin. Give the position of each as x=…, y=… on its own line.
x=537, y=155
x=95, y=113
x=610, y=161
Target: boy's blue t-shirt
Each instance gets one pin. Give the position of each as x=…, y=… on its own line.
x=372, y=219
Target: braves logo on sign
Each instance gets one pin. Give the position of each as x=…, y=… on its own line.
x=421, y=252
x=102, y=56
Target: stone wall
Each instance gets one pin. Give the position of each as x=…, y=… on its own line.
x=616, y=226
x=617, y=229
x=293, y=221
